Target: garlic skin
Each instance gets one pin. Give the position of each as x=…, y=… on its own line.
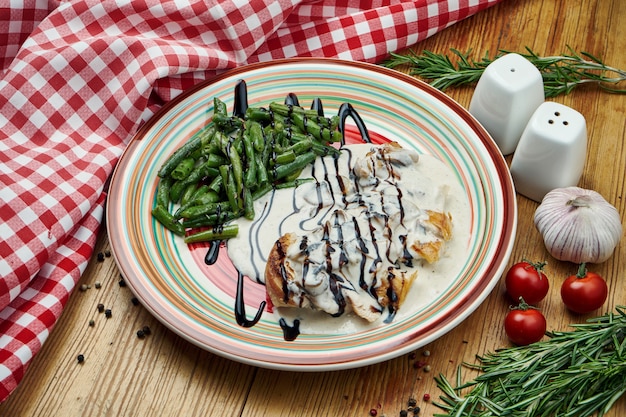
x=578, y=225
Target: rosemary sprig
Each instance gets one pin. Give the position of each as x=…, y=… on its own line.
x=561, y=74
x=572, y=374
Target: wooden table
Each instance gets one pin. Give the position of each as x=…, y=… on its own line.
x=165, y=375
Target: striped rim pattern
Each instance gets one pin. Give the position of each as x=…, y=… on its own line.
x=196, y=301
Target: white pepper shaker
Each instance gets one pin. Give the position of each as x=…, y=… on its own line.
x=506, y=95
x=551, y=152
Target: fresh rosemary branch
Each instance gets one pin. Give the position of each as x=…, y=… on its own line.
x=561, y=74
x=576, y=373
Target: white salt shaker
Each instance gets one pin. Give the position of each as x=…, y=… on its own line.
x=506, y=95
x=551, y=152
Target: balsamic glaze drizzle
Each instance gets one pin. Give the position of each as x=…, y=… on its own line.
x=241, y=99
x=346, y=110
x=211, y=255
x=240, y=306
x=290, y=333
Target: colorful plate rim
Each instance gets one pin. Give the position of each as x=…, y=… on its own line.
x=200, y=312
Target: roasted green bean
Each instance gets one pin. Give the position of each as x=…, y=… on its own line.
x=215, y=177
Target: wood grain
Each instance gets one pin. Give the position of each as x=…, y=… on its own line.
x=163, y=374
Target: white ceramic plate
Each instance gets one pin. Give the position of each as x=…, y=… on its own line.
x=197, y=301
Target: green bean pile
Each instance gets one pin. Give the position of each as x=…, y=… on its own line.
x=215, y=176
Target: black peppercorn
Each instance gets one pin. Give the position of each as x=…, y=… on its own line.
x=146, y=330
x=404, y=413
x=140, y=334
x=80, y=358
x=100, y=256
x=135, y=301
x=100, y=308
x=108, y=313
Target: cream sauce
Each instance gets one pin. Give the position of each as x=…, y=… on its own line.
x=428, y=184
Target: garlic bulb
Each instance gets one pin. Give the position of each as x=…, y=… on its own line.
x=578, y=225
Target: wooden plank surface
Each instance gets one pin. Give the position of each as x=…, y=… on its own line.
x=163, y=374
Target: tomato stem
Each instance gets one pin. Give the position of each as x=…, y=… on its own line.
x=582, y=270
x=523, y=305
x=538, y=266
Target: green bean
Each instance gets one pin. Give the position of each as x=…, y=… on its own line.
x=250, y=175
x=215, y=233
x=163, y=191
x=198, y=210
x=282, y=171
x=235, y=161
x=258, y=114
x=214, y=160
x=164, y=217
x=199, y=173
x=255, y=132
x=210, y=197
x=200, y=191
x=188, y=192
x=219, y=107
x=248, y=204
x=227, y=123
x=230, y=187
x=211, y=219
x=284, y=158
x=183, y=169
x=261, y=170
x=287, y=110
x=198, y=140
x=216, y=184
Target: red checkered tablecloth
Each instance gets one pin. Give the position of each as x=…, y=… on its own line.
x=78, y=77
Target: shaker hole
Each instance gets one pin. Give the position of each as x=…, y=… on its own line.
x=557, y=114
x=551, y=121
x=512, y=69
x=565, y=123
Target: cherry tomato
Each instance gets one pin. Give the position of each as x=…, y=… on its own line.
x=527, y=280
x=584, y=292
x=524, y=325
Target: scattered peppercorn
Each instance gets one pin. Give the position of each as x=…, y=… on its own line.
x=100, y=256
x=146, y=330
x=80, y=358
x=416, y=411
x=98, y=284
x=426, y=353
x=135, y=301
x=108, y=313
x=404, y=413
x=92, y=323
x=419, y=364
x=140, y=334
x=412, y=402
x=100, y=308
x=427, y=368
x=426, y=397
x=373, y=412
x=107, y=253
x=122, y=282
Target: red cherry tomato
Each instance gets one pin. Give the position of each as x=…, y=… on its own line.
x=584, y=292
x=524, y=325
x=527, y=280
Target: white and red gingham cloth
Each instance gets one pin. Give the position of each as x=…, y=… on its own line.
x=78, y=77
